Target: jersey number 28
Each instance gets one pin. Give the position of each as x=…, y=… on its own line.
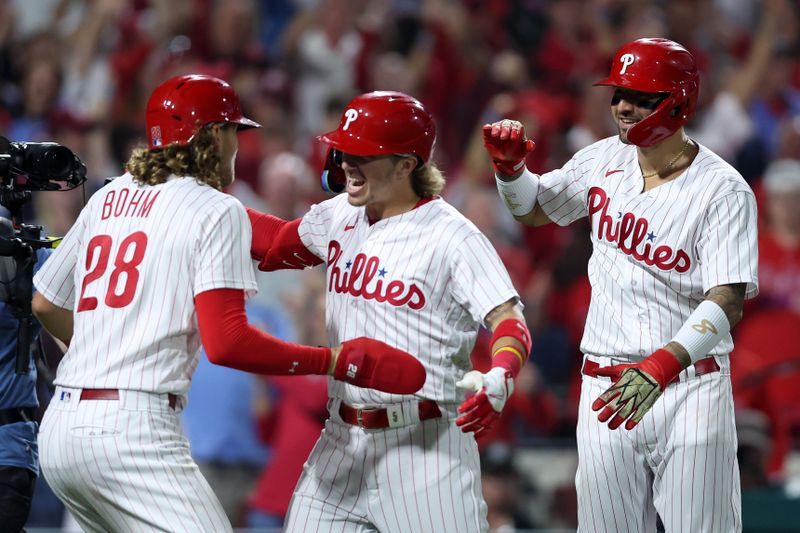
x=128, y=257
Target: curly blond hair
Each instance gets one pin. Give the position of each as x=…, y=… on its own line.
x=199, y=159
x=427, y=180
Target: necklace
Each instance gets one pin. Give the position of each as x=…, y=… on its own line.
x=671, y=163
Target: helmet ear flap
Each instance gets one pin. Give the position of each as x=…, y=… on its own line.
x=333, y=180
x=662, y=123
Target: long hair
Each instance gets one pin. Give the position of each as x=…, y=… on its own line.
x=199, y=159
x=427, y=180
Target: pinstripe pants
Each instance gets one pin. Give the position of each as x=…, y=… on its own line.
x=420, y=477
x=124, y=465
x=679, y=461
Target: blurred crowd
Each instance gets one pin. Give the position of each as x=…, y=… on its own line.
x=78, y=72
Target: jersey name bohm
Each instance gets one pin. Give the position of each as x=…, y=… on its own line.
x=357, y=279
x=630, y=232
x=124, y=203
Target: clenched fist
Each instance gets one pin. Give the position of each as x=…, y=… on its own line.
x=507, y=145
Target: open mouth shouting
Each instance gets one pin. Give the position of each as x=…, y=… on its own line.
x=355, y=184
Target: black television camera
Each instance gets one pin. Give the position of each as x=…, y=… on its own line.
x=26, y=167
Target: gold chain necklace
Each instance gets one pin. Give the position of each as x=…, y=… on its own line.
x=671, y=163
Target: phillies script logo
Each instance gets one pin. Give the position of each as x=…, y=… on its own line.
x=359, y=274
x=630, y=232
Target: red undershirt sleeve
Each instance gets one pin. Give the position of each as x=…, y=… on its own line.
x=277, y=244
x=265, y=229
x=229, y=340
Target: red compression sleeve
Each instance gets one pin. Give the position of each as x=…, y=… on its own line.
x=230, y=341
x=277, y=244
x=265, y=229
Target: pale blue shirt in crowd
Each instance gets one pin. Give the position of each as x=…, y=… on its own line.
x=219, y=419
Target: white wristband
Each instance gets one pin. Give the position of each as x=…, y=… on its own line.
x=703, y=330
x=520, y=194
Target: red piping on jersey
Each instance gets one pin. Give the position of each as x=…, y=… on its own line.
x=422, y=201
x=231, y=341
x=425, y=200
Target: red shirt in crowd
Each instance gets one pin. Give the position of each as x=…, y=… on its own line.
x=295, y=424
x=778, y=275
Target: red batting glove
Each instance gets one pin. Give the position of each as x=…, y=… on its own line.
x=372, y=364
x=480, y=412
x=506, y=143
x=614, y=372
x=635, y=389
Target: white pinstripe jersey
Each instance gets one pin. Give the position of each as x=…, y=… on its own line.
x=422, y=281
x=129, y=268
x=656, y=253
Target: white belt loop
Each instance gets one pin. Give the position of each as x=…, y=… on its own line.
x=394, y=413
x=411, y=411
x=333, y=408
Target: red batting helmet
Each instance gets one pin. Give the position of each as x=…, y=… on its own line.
x=657, y=66
x=378, y=123
x=182, y=105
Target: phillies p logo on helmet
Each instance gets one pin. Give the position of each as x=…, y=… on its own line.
x=626, y=60
x=383, y=123
x=349, y=116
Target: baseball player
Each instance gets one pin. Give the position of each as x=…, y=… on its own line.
x=157, y=261
x=406, y=268
x=674, y=234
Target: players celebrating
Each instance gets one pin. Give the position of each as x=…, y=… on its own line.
x=404, y=267
x=674, y=233
x=158, y=260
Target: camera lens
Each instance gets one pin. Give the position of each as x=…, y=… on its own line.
x=51, y=160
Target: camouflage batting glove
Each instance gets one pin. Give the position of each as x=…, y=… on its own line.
x=636, y=388
x=481, y=411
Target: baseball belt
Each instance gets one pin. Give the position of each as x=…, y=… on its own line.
x=701, y=368
x=113, y=394
x=380, y=417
